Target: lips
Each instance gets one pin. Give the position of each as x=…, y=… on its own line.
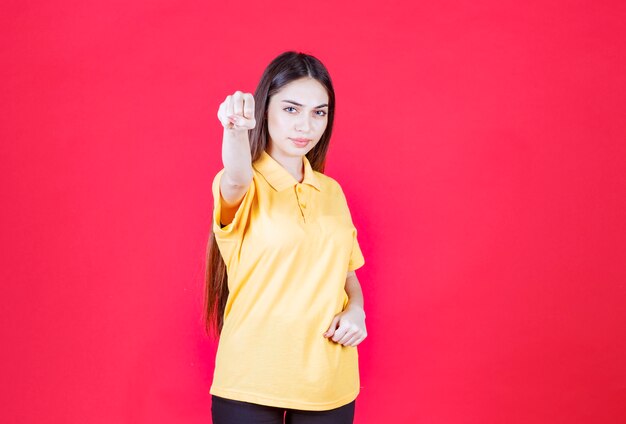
x=301, y=140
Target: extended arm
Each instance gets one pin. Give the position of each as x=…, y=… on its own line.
x=237, y=116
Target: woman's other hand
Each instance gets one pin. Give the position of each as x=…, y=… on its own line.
x=348, y=326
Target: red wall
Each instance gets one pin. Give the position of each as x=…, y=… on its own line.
x=481, y=146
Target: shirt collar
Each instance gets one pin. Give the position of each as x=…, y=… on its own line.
x=278, y=177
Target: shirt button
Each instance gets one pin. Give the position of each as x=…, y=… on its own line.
x=303, y=205
x=299, y=189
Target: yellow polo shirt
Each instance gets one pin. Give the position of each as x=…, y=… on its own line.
x=287, y=253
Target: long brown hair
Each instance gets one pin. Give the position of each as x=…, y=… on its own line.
x=285, y=68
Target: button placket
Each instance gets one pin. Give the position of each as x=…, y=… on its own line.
x=302, y=201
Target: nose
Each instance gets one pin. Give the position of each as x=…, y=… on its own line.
x=303, y=124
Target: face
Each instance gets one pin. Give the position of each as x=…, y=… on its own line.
x=299, y=110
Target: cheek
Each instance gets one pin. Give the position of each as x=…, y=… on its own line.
x=273, y=124
x=277, y=122
x=321, y=126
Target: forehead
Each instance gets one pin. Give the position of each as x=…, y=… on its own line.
x=307, y=91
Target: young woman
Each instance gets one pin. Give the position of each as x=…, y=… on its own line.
x=281, y=291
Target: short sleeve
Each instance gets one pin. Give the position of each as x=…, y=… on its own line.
x=356, y=256
x=227, y=236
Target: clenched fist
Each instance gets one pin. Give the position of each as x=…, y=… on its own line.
x=237, y=112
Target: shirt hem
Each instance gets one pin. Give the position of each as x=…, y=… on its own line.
x=282, y=403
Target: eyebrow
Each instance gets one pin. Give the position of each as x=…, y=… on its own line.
x=298, y=104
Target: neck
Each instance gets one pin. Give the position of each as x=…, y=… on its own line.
x=292, y=164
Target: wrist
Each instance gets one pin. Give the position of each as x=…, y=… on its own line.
x=356, y=308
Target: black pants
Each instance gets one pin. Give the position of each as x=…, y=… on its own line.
x=229, y=411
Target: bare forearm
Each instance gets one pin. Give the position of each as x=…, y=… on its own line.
x=236, y=157
x=355, y=293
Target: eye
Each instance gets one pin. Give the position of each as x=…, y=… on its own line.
x=289, y=107
x=323, y=113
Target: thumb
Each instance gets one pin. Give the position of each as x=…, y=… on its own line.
x=242, y=122
x=332, y=327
